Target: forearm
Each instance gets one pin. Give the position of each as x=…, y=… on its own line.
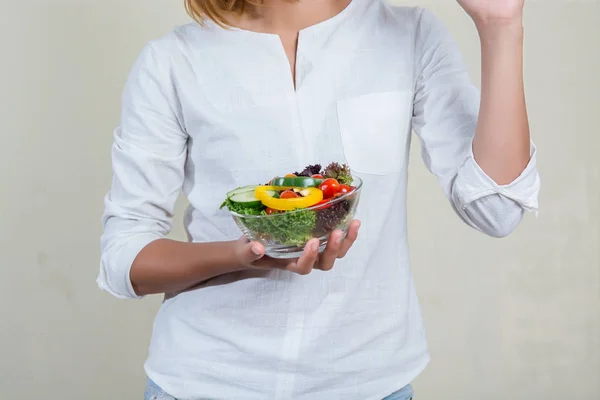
x=502, y=145
x=167, y=266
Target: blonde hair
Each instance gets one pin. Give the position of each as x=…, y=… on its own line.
x=216, y=10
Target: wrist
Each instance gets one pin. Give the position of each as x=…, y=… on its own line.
x=231, y=260
x=499, y=27
x=218, y=258
x=499, y=38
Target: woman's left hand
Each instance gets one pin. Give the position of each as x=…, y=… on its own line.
x=484, y=11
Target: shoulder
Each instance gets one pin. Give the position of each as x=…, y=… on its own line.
x=184, y=46
x=406, y=14
x=405, y=29
x=423, y=26
x=179, y=41
x=164, y=57
x=414, y=20
x=402, y=18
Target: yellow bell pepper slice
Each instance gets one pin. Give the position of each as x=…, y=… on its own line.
x=314, y=196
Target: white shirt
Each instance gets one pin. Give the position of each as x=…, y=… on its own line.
x=207, y=110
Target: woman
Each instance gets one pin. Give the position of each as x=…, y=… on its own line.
x=249, y=91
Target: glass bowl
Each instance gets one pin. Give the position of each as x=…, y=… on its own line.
x=284, y=235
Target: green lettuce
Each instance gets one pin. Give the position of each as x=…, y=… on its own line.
x=239, y=208
x=291, y=228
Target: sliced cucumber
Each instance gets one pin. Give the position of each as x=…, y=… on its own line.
x=243, y=189
x=301, y=182
x=247, y=198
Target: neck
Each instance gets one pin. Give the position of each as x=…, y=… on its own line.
x=276, y=16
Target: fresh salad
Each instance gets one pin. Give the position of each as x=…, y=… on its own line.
x=305, y=203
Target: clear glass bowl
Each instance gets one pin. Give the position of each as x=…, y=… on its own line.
x=284, y=235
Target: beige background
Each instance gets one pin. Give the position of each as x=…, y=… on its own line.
x=517, y=318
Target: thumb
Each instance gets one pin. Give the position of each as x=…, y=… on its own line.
x=251, y=252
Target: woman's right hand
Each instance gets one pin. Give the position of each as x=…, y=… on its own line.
x=169, y=266
x=252, y=254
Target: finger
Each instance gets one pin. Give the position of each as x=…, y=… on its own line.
x=251, y=252
x=304, y=265
x=328, y=257
x=351, y=237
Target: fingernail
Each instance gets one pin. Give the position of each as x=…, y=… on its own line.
x=339, y=239
x=256, y=250
x=315, y=247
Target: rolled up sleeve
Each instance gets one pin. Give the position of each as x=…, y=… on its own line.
x=445, y=112
x=148, y=157
x=492, y=208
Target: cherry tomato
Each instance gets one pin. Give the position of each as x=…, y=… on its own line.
x=288, y=194
x=344, y=189
x=318, y=176
x=323, y=204
x=329, y=187
x=290, y=176
x=270, y=211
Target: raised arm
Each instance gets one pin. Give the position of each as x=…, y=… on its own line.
x=477, y=144
x=501, y=146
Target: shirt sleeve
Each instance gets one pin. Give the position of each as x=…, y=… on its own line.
x=148, y=156
x=446, y=106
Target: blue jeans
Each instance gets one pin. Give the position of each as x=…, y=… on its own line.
x=153, y=392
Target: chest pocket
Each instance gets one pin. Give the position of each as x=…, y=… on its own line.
x=375, y=130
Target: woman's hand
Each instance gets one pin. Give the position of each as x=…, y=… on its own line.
x=485, y=11
x=169, y=266
x=252, y=254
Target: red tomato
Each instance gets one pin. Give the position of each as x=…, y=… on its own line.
x=288, y=194
x=329, y=187
x=270, y=211
x=322, y=205
x=290, y=176
x=318, y=176
x=344, y=189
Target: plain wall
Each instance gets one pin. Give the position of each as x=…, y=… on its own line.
x=516, y=318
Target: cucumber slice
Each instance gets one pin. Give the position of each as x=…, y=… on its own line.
x=243, y=189
x=247, y=198
x=301, y=181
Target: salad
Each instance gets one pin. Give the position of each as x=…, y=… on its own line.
x=303, y=205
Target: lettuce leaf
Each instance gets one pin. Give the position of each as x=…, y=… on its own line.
x=291, y=228
x=340, y=172
x=239, y=208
